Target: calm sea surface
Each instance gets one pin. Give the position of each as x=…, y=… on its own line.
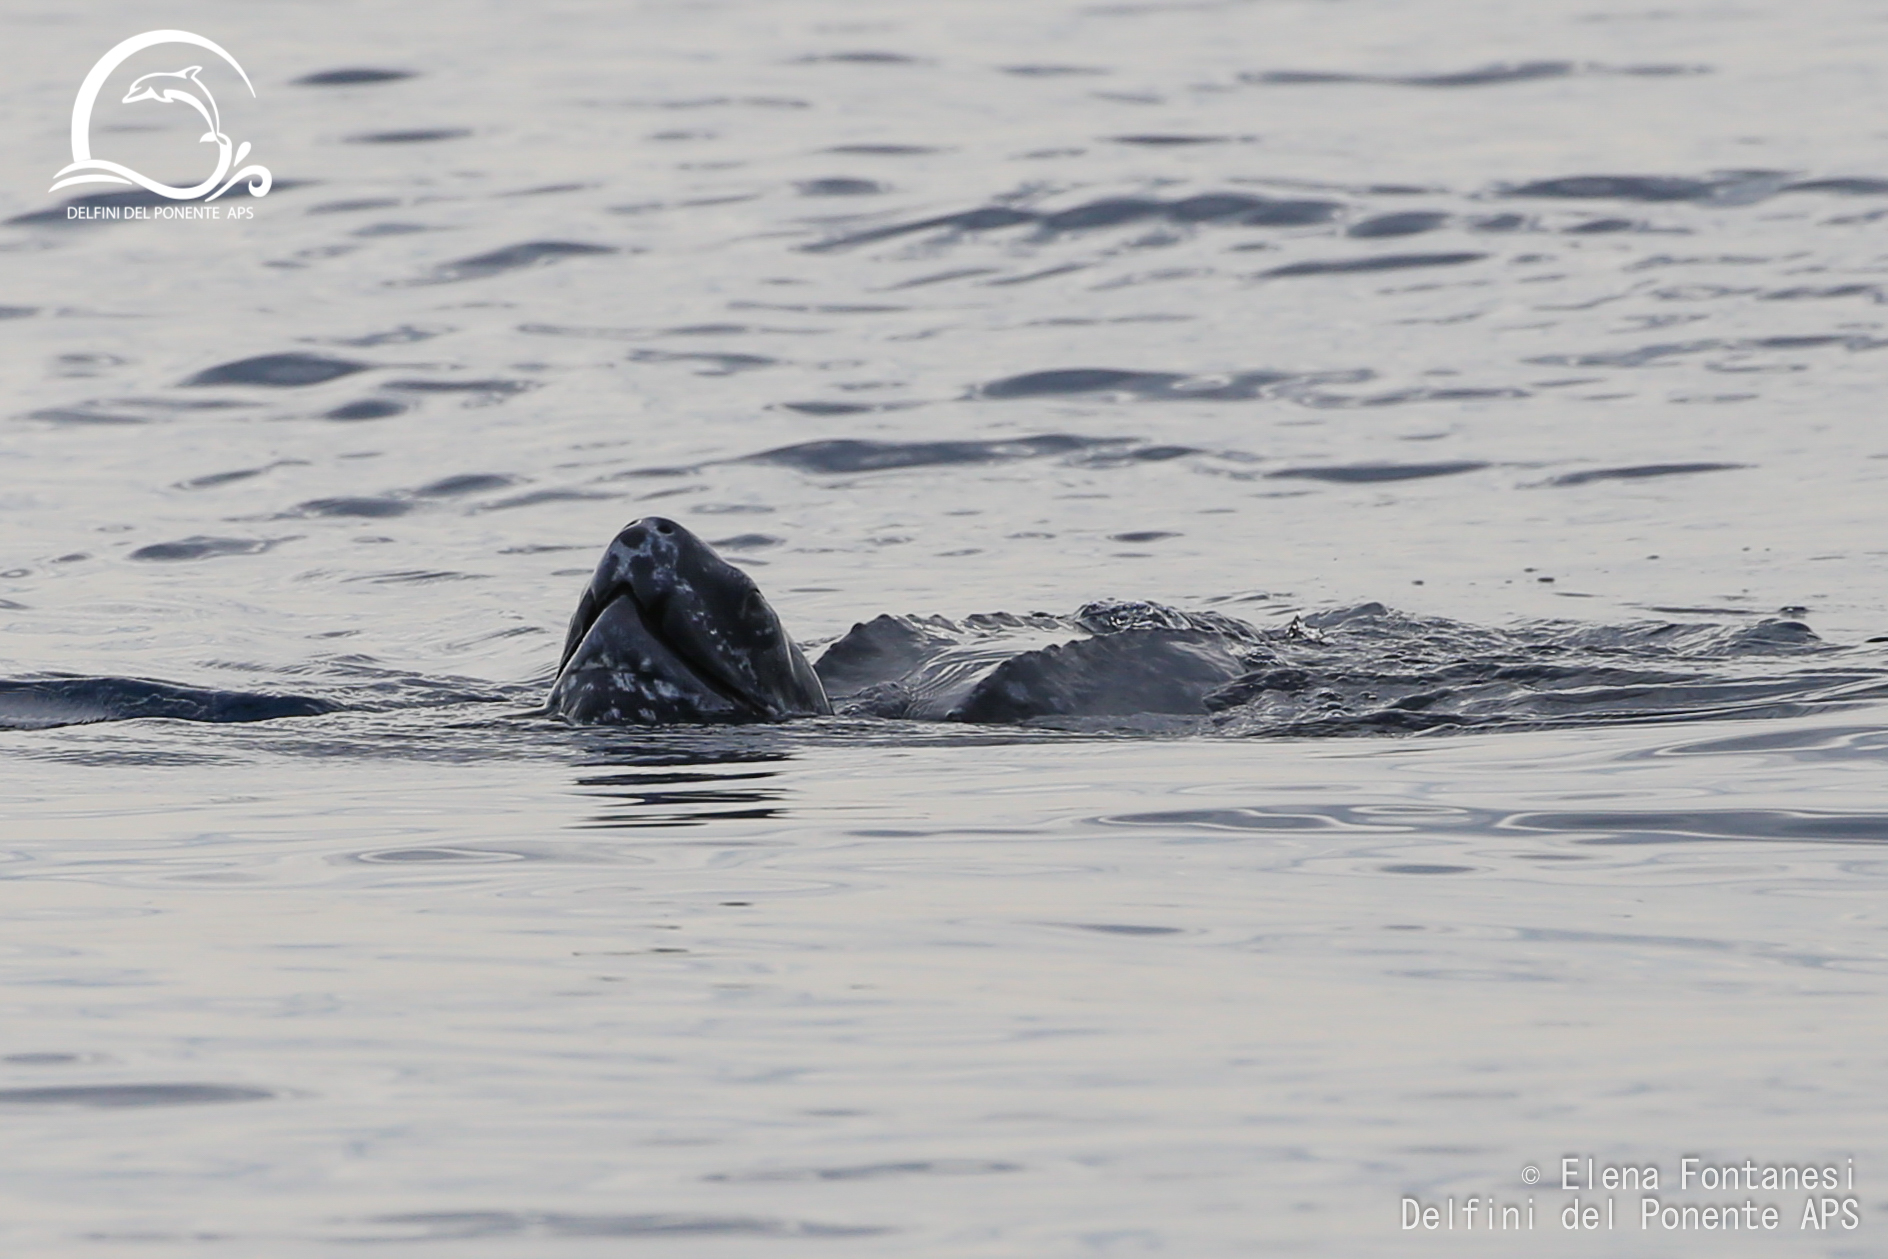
x=1501, y=313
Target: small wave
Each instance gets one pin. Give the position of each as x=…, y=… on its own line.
x=849, y=455
x=840, y=187
x=1642, y=471
x=37, y=703
x=1230, y=208
x=1729, y=187
x=1163, y=141
x=1147, y=386
x=496, y=388
x=1378, y=262
x=84, y=414
x=212, y=480
x=1481, y=76
x=349, y=76
x=133, y=1096
x=820, y=407
x=1644, y=355
x=865, y=58
x=1661, y=827
x=885, y=150
x=279, y=371
x=1398, y=397
x=1372, y=670
x=465, y=483
x=1496, y=74
x=417, y=135
x=364, y=506
x=1811, y=292
x=1849, y=187
x=201, y=548
x=1400, y=223
x=533, y=253
x=1039, y=70
x=717, y=364
x=1369, y=473
x=1602, y=227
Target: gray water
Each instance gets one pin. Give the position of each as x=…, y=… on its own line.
x=1566, y=312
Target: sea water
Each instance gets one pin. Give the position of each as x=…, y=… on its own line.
x=1504, y=314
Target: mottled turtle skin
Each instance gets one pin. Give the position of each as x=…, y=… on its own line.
x=1110, y=659
x=668, y=632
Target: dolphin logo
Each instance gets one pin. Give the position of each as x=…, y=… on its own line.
x=147, y=89
x=185, y=87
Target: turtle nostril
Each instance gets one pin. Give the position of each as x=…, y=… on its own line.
x=634, y=535
x=665, y=527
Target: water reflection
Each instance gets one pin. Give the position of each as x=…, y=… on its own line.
x=1592, y=827
x=655, y=798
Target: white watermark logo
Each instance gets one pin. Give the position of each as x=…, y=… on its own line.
x=178, y=87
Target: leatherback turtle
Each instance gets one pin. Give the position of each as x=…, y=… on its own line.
x=669, y=632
